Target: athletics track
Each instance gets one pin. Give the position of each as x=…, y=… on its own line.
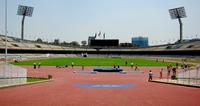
x=64, y=90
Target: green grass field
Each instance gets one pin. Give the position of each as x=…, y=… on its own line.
x=94, y=62
x=33, y=79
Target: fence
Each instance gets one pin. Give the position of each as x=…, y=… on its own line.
x=183, y=76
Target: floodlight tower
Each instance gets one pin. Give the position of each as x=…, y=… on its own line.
x=178, y=13
x=24, y=11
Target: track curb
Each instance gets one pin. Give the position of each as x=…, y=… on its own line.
x=29, y=83
x=175, y=84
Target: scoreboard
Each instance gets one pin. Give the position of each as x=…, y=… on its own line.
x=104, y=42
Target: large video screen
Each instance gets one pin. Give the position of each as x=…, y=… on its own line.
x=104, y=42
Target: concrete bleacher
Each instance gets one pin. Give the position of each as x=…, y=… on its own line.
x=17, y=44
x=194, y=45
x=14, y=43
x=53, y=47
x=190, y=45
x=8, y=39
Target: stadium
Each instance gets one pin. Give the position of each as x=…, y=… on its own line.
x=102, y=73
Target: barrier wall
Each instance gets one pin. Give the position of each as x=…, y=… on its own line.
x=12, y=75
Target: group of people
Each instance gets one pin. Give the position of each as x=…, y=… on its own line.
x=132, y=65
x=157, y=60
x=116, y=66
x=170, y=69
x=36, y=65
x=136, y=66
x=65, y=66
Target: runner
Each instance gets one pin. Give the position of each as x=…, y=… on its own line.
x=161, y=71
x=150, y=75
x=131, y=64
x=136, y=67
x=72, y=64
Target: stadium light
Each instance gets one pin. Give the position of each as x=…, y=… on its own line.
x=24, y=11
x=178, y=13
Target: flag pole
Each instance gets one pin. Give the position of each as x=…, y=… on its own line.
x=6, y=51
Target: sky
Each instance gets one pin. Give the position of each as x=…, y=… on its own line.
x=76, y=20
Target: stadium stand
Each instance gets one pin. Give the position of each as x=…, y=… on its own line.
x=15, y=45
x=189, y=45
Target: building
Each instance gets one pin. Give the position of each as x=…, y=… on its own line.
x=56, y=41
x=140, y=41
x=90, y=38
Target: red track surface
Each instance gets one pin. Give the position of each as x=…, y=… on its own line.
x=62, y=91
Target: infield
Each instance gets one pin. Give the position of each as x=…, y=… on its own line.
x=95, y=62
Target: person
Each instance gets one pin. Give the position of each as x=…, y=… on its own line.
x=177, y=65
x=82, y=67
x=156, y=60
x=126, y=63
x=198, y=67
x=114, y=66
x=57, y=66
x=161, y=71
x=131, y=64
x=168, y=70
x=34, y=65
x=150, y=75
x=174, y=73
x=118, y=66
x=136, y=67
x=39, y=64
x=15, y=60
x=185, y=67
x=72, y=64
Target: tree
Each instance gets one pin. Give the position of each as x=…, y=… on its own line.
x=74, y=43
x=39, y=40
x=65, y=43
x=84, y=43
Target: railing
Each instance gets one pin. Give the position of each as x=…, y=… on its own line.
x=187, y=77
